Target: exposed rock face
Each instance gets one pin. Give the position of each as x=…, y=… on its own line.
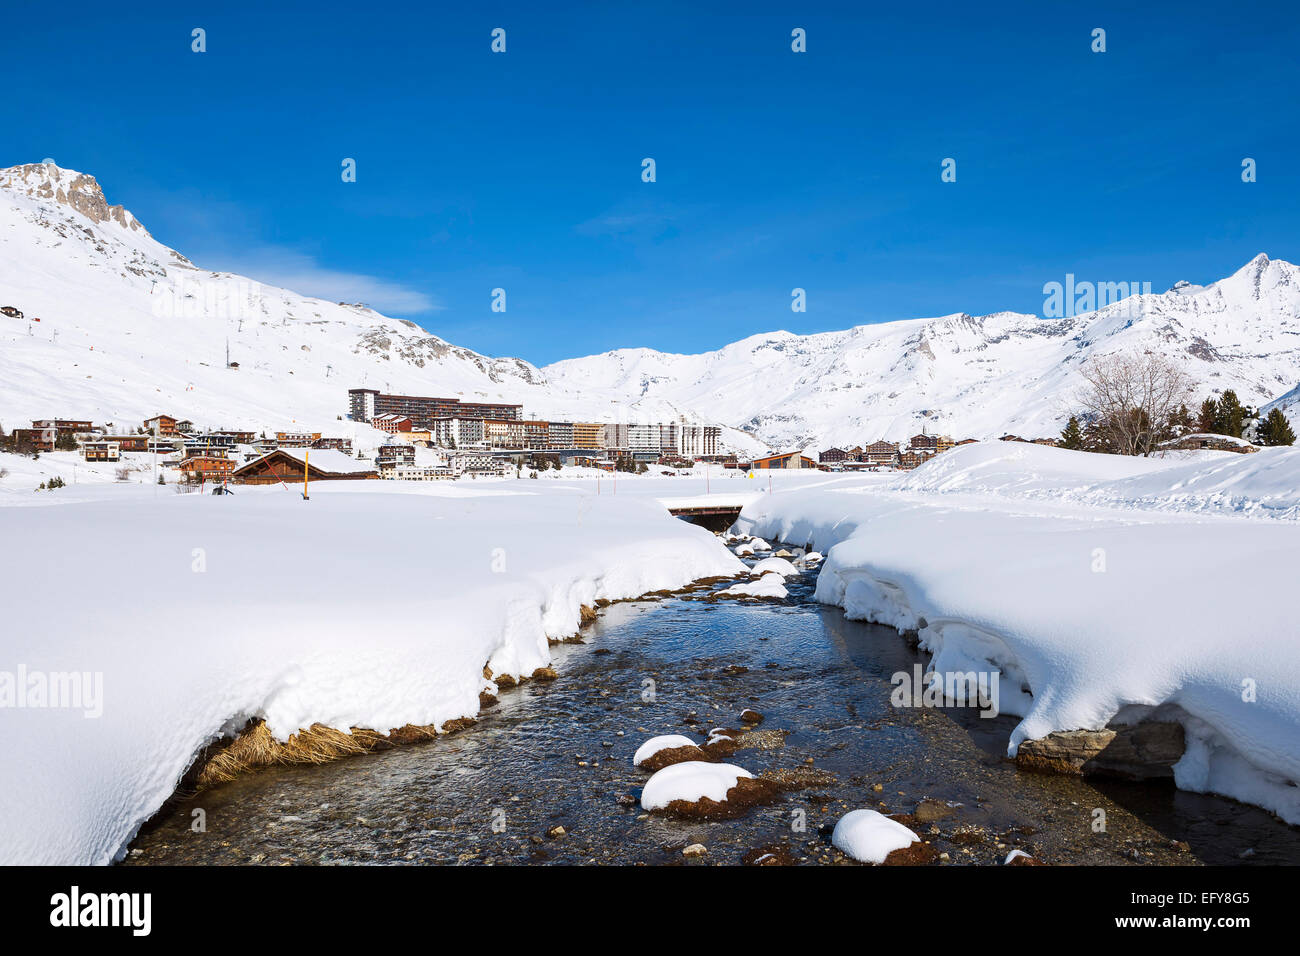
x=1139, y=752
x=81, y=192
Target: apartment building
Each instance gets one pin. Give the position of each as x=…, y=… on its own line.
x=364, y=404
x=561, y=435
x=458, y=432
x=588, y=435
x=699, y=441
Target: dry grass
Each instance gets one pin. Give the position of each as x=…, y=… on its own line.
x=256, y=747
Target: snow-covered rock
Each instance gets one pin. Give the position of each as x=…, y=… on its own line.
x=777, y=566
x=869, y=837
x=690, y=782
x=770, y=585
x=666, y=749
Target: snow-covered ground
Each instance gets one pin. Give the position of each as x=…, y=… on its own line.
x=1107, y=588
x=375, y=604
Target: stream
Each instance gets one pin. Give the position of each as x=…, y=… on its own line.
x=557, y=754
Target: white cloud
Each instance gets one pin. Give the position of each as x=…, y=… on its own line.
x=299, y=272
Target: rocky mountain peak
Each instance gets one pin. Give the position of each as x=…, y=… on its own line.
x=68, y=187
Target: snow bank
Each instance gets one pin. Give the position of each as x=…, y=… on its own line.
x=690, y=781
x=1106, y=588
x=1263, y=484
x=869, y=837
x=368, y=606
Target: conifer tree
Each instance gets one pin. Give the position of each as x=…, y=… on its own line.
x=1275, y=430
x=1231, y=417
x=1209, y=415
x=1072, y=435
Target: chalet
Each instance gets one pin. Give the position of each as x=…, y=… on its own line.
x=288, y=465
x=101, y=451
x=296, y=439
x=967, y=441
x=185, y=426
x=203, y=447
x=881, y=453
x=912, y=458
x=402, y=454
x=211, y=440
x=942, y=443
x=128, y=442
x=29, y=441
x=65, y=426
x=1045, y=441
x=441, y=472
x=393, y=423
x=164, y=446
x=162, y=426
x=832, y=456
x=924, y=442
x=239, y=438
x=206, y=468
x=334, y=444
x=10, y=311
x=790, y=459
x=1012, y=438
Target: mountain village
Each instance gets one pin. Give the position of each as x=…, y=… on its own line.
x=846, y=455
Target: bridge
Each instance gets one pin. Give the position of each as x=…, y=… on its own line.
x=715, y=512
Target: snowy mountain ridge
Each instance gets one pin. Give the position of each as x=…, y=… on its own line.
x=130, y=328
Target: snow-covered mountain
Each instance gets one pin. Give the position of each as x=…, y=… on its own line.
x=964, y=375
x=130, y=328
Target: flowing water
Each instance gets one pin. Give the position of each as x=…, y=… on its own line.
x=558, y=754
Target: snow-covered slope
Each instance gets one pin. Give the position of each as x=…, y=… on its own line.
x=130, y=328
x=963, y=375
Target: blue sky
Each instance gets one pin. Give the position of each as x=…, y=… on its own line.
x=775, y=170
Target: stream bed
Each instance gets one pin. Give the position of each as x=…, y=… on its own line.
x=557, y=754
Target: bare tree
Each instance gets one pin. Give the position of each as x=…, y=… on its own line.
x=1131, y=399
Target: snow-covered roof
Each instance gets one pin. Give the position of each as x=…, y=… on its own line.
x=322, y=459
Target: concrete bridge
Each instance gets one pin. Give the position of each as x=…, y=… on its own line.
x=715, y=512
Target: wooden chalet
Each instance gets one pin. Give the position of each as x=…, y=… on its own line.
x=288, y=465
x=206, y=467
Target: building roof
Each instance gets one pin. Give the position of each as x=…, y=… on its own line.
x=324, y=460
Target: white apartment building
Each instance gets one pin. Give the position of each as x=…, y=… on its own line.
x=458, y=432
x=561, y=435
x=671, y=438
x=695, y=441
